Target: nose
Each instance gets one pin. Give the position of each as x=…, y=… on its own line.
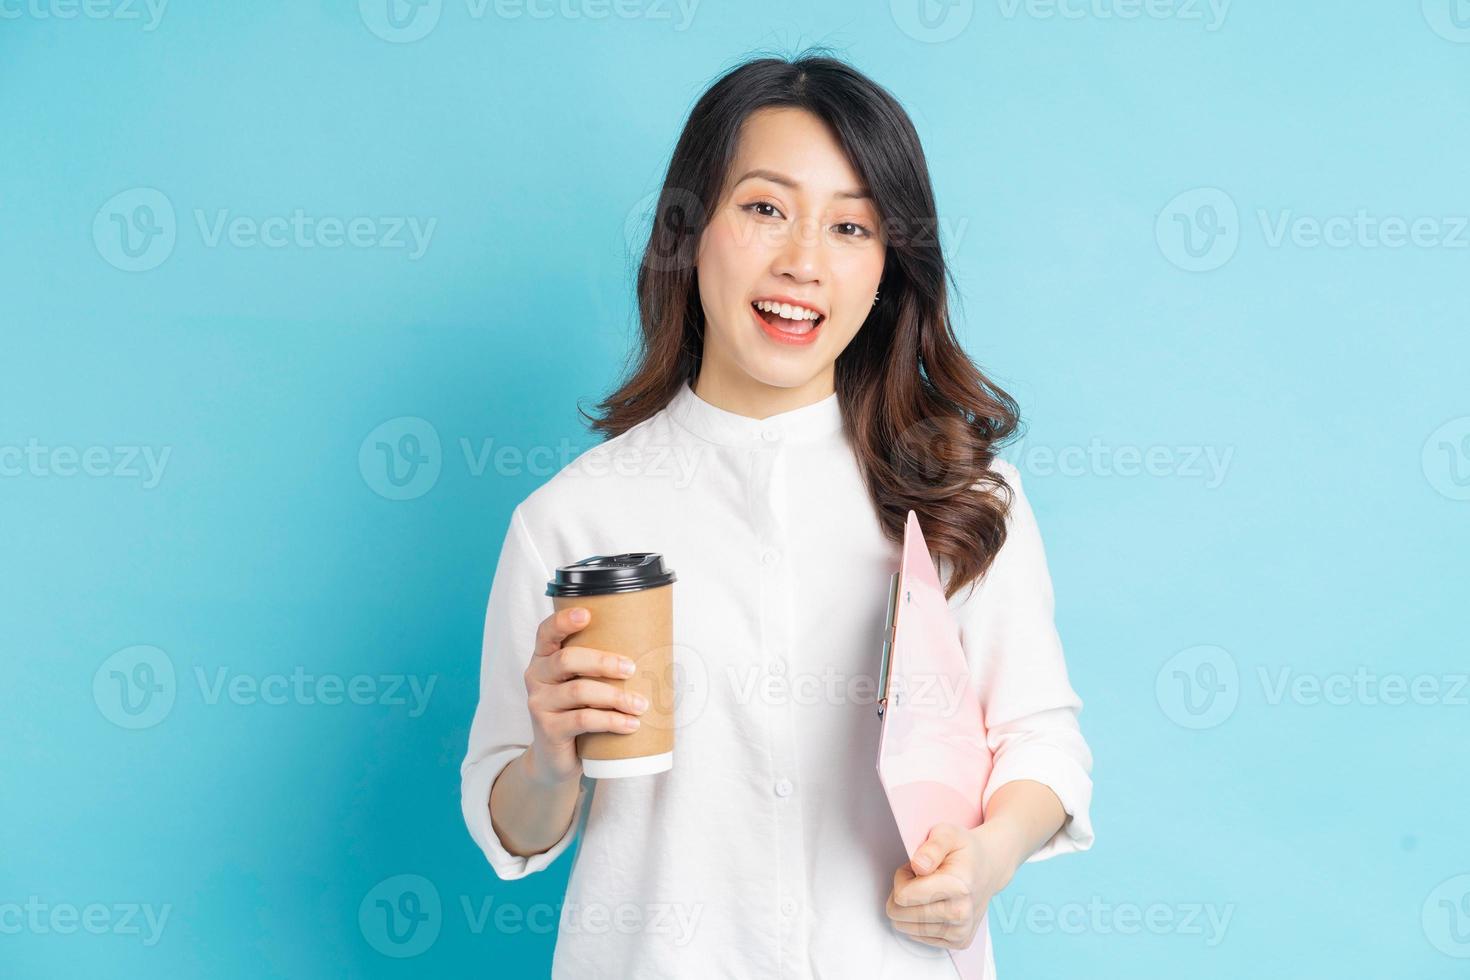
x=802, y=254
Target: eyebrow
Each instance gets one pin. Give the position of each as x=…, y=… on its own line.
x=785, y=181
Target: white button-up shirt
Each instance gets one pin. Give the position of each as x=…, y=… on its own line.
x=769, y=849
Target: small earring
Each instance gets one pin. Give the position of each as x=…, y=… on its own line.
x=875, y=299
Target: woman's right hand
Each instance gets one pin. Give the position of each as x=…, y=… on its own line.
x=566, y=698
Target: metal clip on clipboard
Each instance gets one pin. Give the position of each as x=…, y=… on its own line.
x=888, y=635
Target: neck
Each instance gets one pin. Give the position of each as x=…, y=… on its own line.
x=757, y=400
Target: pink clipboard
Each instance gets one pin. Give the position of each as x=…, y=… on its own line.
x=933, y=759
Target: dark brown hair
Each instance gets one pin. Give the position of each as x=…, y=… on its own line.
x=922, y=419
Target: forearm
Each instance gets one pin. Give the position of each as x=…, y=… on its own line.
x=528, y=814
x=1020, y=817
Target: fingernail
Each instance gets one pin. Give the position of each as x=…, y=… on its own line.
x=626, y=666
x=579, y=615
x=640, y=702
x=631, y=724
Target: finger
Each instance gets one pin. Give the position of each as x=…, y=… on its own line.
x=935, y=935
x=944, y=910
x=554, y=629
x=931, y=888
x=581, y=692
x=567, y=724
x=575, y=661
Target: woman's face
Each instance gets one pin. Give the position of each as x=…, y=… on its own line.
x=793, y=226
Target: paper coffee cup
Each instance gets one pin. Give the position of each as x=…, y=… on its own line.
x=631, y=598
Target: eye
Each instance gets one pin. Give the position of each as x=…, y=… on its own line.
x=862, y=230
x=760, y=204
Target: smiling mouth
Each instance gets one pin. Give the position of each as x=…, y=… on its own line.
x=794, y=327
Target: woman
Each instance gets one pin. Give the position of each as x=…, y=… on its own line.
x=798, y=390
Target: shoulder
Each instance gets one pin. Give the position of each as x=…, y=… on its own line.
x=1023, y=536
x=1006, y=469
x=1013, y=495
x=602, y=476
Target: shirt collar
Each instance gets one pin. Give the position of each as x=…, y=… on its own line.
x=808, y=424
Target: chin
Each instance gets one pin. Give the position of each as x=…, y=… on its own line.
x=786, y=375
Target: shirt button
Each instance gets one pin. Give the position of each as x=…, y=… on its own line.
x=788, y=907
x=783, y=787
x=770, y=435
x=770, y=556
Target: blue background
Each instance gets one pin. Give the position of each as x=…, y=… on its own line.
x=1334, y=377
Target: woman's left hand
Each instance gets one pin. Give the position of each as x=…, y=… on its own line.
x=940, y=896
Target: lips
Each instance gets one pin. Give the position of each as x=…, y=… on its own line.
x=776, y=320
x=778, y=299
x=774, y=327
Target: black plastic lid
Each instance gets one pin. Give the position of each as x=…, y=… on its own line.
x=605, y=574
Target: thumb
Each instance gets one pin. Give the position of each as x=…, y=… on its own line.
x=931, y=854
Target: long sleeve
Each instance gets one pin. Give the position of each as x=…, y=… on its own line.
x=501, y=728
x=1030, y=707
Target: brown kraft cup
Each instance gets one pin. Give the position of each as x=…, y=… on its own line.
x=631, y=598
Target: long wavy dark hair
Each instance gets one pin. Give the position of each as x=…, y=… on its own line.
x=923, y=420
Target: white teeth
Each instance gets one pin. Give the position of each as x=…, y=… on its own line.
x=787, y=311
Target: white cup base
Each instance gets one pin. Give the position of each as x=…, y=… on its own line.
x=613, y=768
